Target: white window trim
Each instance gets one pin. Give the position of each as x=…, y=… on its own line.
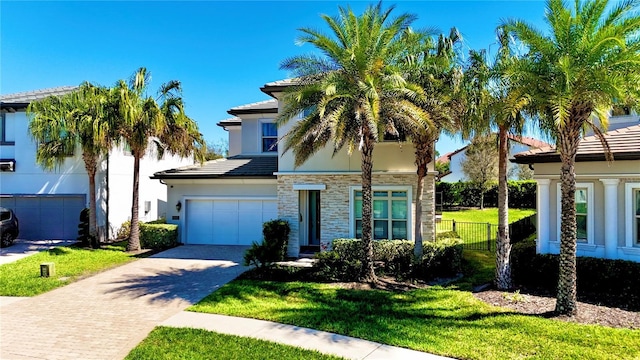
x=629, y=188
x=590, y=213
x=408, y=189
x=260, y=122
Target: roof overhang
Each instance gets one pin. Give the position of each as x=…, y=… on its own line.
x=555, y=157
x=13, y=107
x=237, y=112
x=157, y=176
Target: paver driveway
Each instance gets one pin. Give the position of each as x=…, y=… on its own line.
x=107, y=315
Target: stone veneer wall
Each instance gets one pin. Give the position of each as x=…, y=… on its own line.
x=334, y=204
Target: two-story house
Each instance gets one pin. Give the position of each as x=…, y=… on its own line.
x=607, y=193
x=226, y=201
x=48, y=203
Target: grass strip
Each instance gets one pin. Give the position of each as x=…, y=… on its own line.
x=182, y=343
x=436, y=320
x=22, y=278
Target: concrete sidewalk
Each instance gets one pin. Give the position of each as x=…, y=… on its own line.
x=328, y=343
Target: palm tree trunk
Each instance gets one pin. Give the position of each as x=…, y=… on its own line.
x=566, y=303
x=134, y=237
x=503, y=246
x=424, y=155
x=369, y=274
x=90, y=165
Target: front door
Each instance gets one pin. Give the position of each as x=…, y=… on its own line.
x=314, y=217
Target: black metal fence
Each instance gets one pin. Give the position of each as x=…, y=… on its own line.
x=482, y=236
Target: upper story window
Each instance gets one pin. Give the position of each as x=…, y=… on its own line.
x=3, y=131
x=269, y=137
x=620, y=110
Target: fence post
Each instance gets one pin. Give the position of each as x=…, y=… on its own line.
x=489, y=236
x=454, y=225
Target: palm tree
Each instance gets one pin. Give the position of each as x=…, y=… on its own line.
x=434, y=66
x=59, y=124
x=501, y=104
x=589, y=60
x=354, y=93
x=142, y=121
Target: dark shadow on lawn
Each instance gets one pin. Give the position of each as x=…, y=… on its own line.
x=190, y=284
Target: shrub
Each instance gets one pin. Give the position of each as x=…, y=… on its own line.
x=440, y=259
x=392, y=257
x=158, y=236
x=83, y=228
x=124, y=230
x=611, y=282
x=273, y=247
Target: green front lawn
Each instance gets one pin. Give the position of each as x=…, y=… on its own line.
x=22, y=278
x=171, y=343
x=437, y=320
x=488, y=215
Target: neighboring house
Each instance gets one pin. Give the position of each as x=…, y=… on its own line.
x=456, y=158
x=226, y=201
x=607, y=194
x=48, y=203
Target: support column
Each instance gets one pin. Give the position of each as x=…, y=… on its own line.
x=543, y=215
x=610, y=217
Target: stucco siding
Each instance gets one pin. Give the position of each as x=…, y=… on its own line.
x=335, y=204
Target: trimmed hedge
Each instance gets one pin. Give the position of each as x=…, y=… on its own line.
x=158, y=235
x=522, y=194
x=392, y=257
x=610, y=282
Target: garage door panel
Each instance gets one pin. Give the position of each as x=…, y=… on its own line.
x=47, y=217
x=232, y=222
x=199, y=221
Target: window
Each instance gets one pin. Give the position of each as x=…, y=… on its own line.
x=269, y=137
x=5, y=215
x=3, y=131
x=636, y=215
x=390, y=214
x=584, y=213
x=632, y=218
x=581, y=215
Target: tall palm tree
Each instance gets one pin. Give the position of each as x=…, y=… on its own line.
x=588, y=61
x=502, y=105
x=60, y=124
x=143, y=121
x=432, y=64
x=355, y=95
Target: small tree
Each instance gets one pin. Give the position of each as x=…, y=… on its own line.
x=481, y=164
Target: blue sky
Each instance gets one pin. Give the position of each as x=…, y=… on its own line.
x=222, y=52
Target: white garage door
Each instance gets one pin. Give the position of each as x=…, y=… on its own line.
x=46, y=217
x=227, y=222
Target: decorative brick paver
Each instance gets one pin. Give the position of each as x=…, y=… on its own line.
x=107, y=315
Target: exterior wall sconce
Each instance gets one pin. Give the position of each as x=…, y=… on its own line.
x=147, y=207
x=178, y=206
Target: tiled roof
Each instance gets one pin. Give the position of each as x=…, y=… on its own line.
x=276, y=86
x=239, y=166
x=624, y=144
x=23, y=98
x=529, y=141
x=267, y=106
x=230, y=122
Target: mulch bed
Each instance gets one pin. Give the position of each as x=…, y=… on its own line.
x=544, y=306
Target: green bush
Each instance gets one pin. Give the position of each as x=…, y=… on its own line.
x=392, y=257
x=610, y=282
x=522, y=194
x=273, y=247
x=124, y=230
x=158, y=236
x=440, y=259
